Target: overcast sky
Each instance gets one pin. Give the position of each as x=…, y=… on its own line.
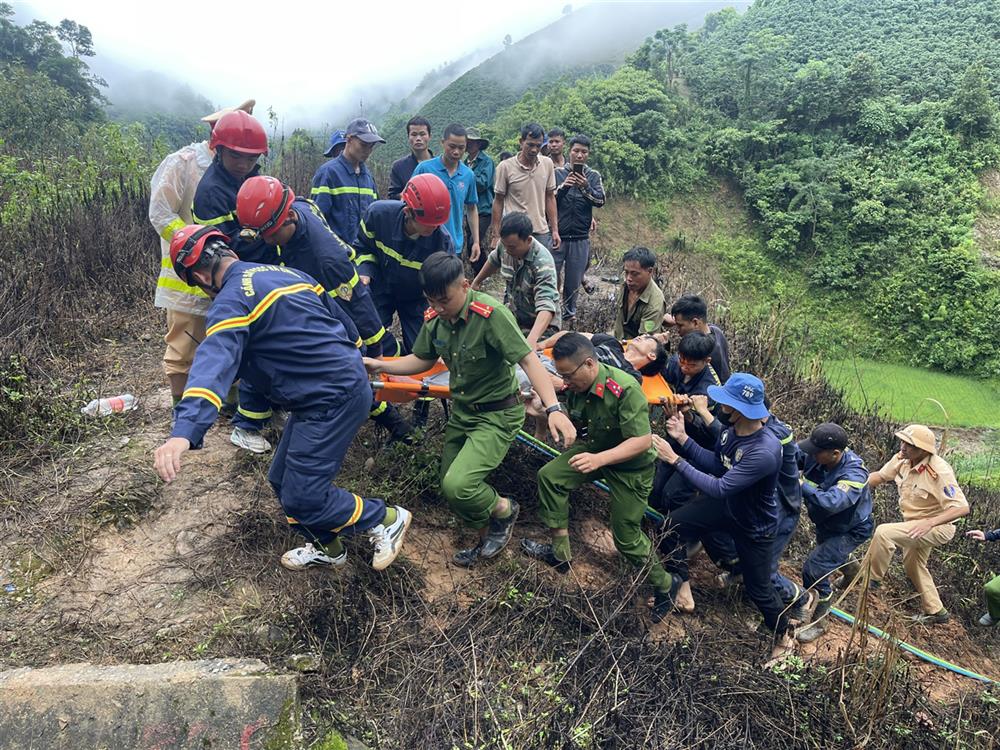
x=299, y=57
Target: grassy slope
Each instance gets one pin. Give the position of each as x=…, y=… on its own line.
x=903, y=392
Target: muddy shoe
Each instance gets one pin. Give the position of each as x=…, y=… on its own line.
x=500, y=532
x=938, y=618
x=466, y=558
x=820, y=622
x=663, y=601
x=388, y=540
x=987, y=621
x=544, y=553
x=308, y=556
x=799, y=611
x=589, y=285
x=729, y=581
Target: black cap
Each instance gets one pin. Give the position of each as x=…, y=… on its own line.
x=827, y=436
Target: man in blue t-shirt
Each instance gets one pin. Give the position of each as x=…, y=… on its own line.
x=461, y=184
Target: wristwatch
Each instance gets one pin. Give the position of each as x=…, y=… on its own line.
x=554, y=408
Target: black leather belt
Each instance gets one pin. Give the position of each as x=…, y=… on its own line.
x=504, y=403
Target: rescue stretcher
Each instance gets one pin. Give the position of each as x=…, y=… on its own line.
x=402, y=389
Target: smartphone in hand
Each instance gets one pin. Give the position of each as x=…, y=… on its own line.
x=577, y=169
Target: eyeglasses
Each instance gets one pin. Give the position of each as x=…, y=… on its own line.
x=568, y=375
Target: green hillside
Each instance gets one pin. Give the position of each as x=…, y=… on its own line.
x=857, y=131
x=593, y=39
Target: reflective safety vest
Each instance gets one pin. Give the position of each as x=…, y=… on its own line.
x=172, y=190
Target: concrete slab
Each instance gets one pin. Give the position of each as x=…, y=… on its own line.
x=212, y=703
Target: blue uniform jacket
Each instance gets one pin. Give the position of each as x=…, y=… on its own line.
x=789, y=488
x=343, y=196
x=390, y=258
x=324, y=256
x=838, y=499
x=743, y=471
x=215, y=205
x=703, y=434
x=275, y=328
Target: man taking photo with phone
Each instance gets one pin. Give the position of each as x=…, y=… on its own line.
x=579, y=191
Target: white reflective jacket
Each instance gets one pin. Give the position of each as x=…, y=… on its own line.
x=170, y=201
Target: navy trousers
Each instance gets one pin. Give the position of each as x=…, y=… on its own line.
x=411, y=318
x=307, y=460
x=831, y=551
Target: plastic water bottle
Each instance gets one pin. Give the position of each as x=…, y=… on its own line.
x=101, y=407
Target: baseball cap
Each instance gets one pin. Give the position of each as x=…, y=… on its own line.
x=337, y=138
x=744, y=393
x=364, y=130
x=826, y=436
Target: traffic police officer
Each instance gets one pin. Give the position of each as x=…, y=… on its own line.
x=479, y=341
x=276, y=328
x=930, y=500
x=610, y=412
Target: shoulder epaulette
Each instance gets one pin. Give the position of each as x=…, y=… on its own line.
x=429, y=314
x=929, y=470
x=614, y=388
x=480, y=308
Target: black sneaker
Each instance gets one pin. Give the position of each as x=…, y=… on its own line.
x=544, y=553
x=663, y=601
x=466, y=558
x=400, y=431
x=501, y=530
x=799, y=611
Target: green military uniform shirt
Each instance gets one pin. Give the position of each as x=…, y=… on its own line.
x=532, y=285
x=613, y=410
x=480, y=349
x=645, y=317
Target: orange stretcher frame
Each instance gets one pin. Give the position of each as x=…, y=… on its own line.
x=401, y=389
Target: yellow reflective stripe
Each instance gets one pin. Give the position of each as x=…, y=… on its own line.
x=372, y=339
x=346, y=190
x=364, y=229
x=205, y=394
x=810, y=482
x=165, y=282
x=397, y=257
x=359, y=506
x=168, y=231
x=787, y=440
x=262, y=307
x=231, y=216
x=254, y=414
x=382, y=406
x=365, y=259
x=359, y=343
x=849, y=483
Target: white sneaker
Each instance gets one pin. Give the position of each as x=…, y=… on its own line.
x=987, y=621
x=388, y=540
x=727, y=580
x=249, y=441
x=308, y=556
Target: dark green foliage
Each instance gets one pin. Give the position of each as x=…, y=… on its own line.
x=857, y=130
x=40, y=86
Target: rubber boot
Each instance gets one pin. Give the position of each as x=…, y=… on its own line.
x=819, y=626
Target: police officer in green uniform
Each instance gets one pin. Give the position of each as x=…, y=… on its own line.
x=609, y=409
x=480, y=342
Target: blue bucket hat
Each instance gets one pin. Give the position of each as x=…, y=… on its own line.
x=744, y=393
x=339, y=138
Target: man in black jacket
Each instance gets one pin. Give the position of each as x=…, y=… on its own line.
x=578, y=191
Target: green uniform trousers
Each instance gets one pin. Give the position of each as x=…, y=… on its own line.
x=474, y=445
x=992, y=590
x=629, y=490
